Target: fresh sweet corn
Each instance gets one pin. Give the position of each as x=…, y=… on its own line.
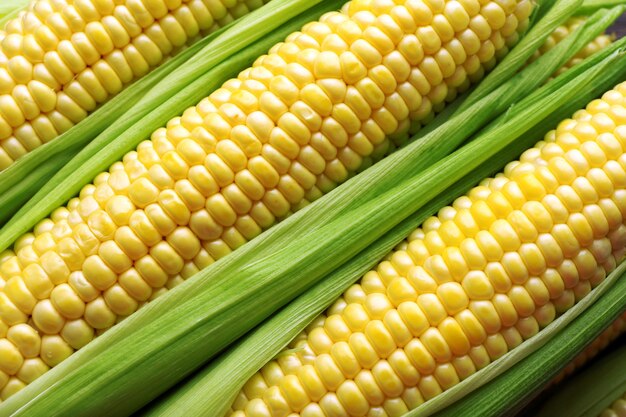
x=471, y=284
x=600, y=42
x=303, y=119
x=617, y=328
x=617, y=409
x=60, y=59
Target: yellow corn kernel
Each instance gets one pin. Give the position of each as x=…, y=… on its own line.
x=420, y=328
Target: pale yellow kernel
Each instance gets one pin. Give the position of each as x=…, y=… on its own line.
x=166, y=257
x=98, y=273
x=294, y=393
x=366, y=354
x=17, y=291
x=101, y=225
x=11, y=359
x=478, y=286
x=311, y=381
x=429, y=387
x=436, y=344
x=67, y=302
x=345, y=359
x=387, y=379
x=352, y=398
x=99, y=315
x=26, y=339
x=119, y=301
x=453, y=297
x=413, y=317
x=369, y=387
x=496, y=346
x=32, y=369
x=257, y=408
x=54, y=350
x=398, y=329
x=12, y=387
x=47, y=318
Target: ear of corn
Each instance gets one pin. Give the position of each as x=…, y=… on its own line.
x=39, y=212
x=512, y=63
x=249, y=291
x=60, y=60
x=303, y=119
x=548, y=18
x=473, y=283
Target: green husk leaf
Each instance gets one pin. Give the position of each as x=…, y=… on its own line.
x=592, y=391
x=168, y=338
x=540, y=11
x=525, y=378
x=590, y=6
x=224, y=377
x=176, y=91
x=10, y=10
x=12, y=198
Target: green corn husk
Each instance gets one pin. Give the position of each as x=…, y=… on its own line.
x=590, y=6
x=170, y=337
x=224, y=377
x=593, y=390
x=95, y=143
x=9, y=10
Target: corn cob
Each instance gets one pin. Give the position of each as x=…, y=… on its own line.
x=301, y=120
x=473, y=283
x=617, y=409
x=600, y=343
x=602, y=41
x=60, y=59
